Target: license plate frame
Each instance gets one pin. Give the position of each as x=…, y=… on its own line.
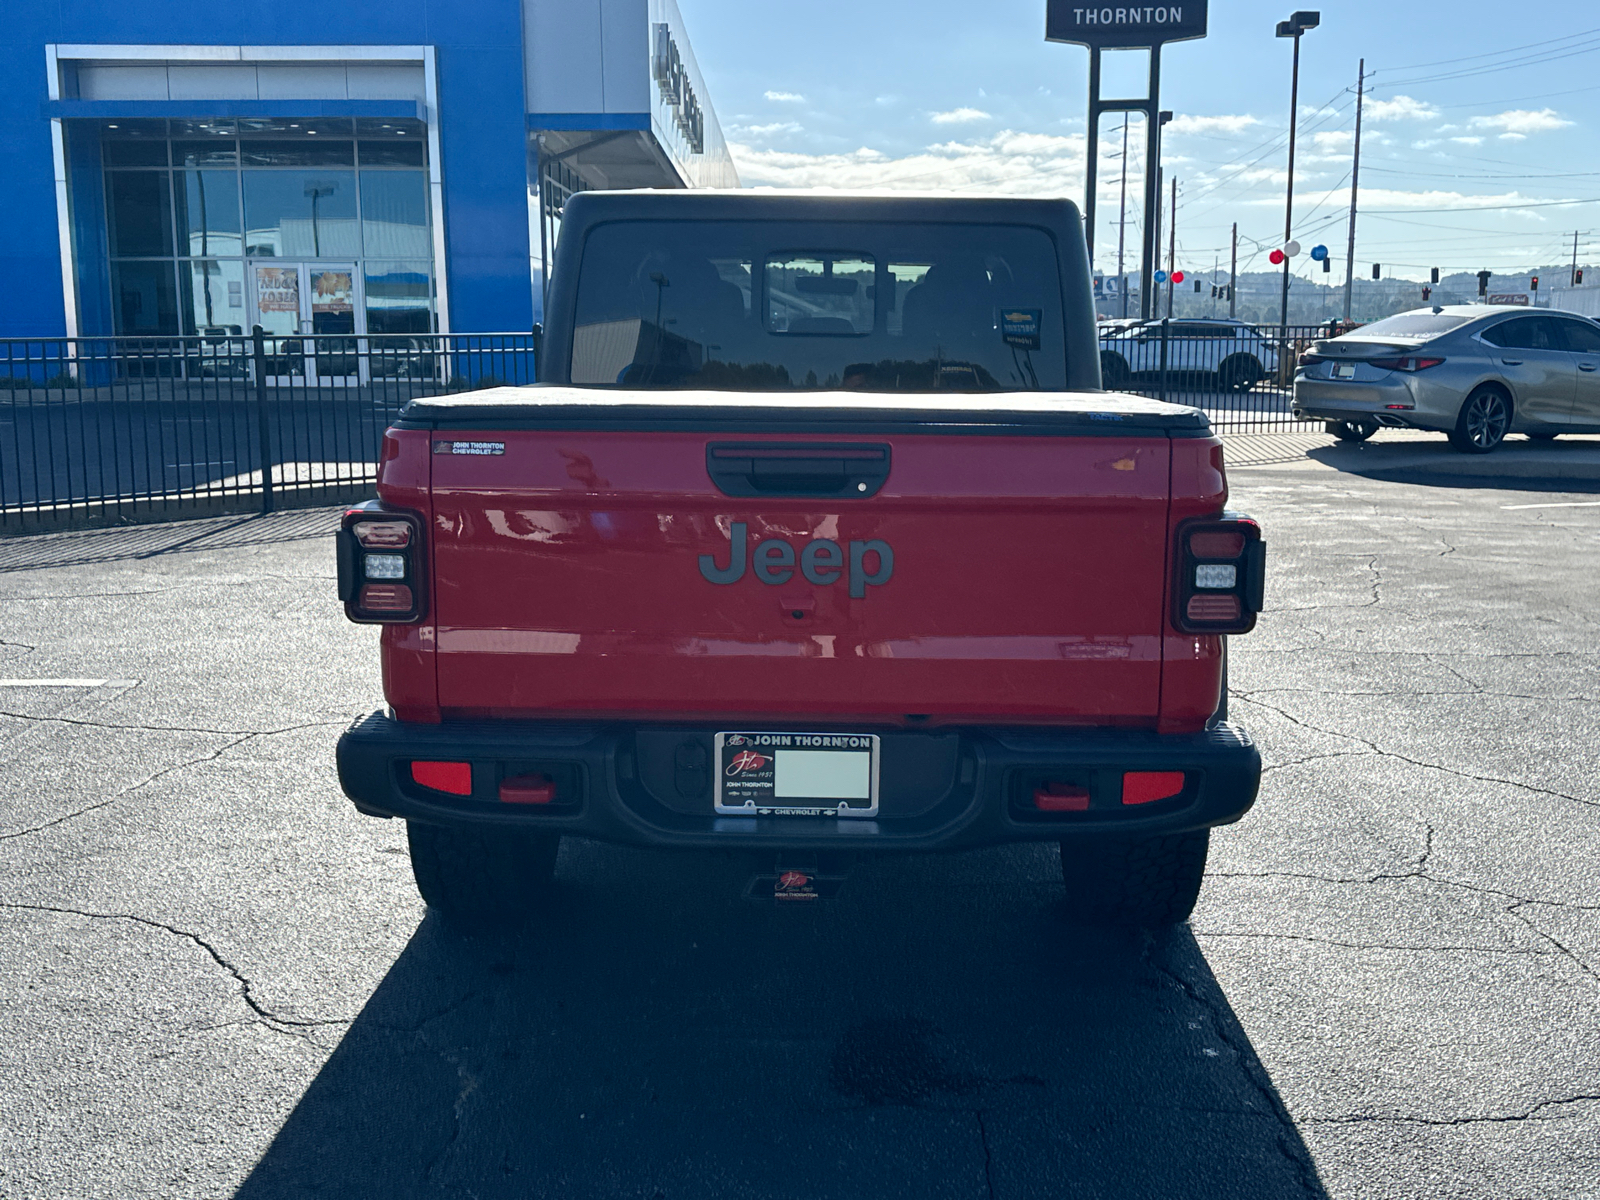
x=821, y=773
x=1344, y=370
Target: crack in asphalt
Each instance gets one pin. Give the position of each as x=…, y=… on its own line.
x=136, y=728
x=1532, y=1114
x=1375, y=600
x=292, y=1026
x=1477, y=691
x=988, y=1154
x=18, y=645
x=1305, y=937
x=1515, y=911
x=149, y=779
x=1218, y=1013
x=1377, y=749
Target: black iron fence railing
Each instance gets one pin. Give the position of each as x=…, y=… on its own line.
x=97, y=430
x=104, y=430
x=1241, y=375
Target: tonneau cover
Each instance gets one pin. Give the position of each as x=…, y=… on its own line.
x=555, y=406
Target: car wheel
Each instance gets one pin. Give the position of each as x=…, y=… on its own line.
x=1114, y=371
x=1147, y=882
x=1352, y=431
x=1240, y=374
x=1484, y=421
x=496, y=878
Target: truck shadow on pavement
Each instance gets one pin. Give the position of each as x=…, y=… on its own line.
x=938, y=1030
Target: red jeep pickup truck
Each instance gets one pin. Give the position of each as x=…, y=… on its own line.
x=818, y=536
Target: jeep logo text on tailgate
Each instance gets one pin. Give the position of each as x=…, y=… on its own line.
x=821, y=562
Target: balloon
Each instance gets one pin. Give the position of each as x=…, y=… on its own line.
x=1275, y=257
x=1177, y=277
x=1319, y=253
x=1161, y=276
x=1290, y=249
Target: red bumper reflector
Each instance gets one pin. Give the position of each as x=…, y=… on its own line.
x=527, y=789
x=385, y=597
x=1145, y=787
x=1212, y=608
x=1061, y=797
x=452, y=777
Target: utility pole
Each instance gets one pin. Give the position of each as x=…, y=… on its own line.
x=1172, y=243
x=1233, y=276
x=1574, y=282
x=1122, y=227
x=1154, y=305
x=1294, y=28
x=1355, y=181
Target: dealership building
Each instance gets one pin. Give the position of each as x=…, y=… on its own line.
x=398, y=167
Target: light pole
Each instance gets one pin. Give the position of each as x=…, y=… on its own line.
x=316, y=190
x=1297, y=24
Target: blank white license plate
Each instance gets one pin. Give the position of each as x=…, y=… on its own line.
x=1344, y=371
x=797, y=774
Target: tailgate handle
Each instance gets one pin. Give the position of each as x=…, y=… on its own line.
x=797, y=469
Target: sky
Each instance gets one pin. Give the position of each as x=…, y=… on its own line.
x=1479, y=145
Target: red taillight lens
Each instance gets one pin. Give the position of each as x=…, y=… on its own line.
x=1216, y=543
x=383, y=535
x=1146, y=787
x=1213, y=608
x=385, y=598
x=528, y=789
x=1406, y=363
x=452, y=777
x=1061, y=797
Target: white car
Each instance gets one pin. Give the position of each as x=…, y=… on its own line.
x=1238, y=355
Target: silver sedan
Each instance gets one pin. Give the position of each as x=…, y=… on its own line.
x=1473, y=372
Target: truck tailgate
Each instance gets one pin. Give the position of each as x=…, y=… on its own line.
x=577, y=574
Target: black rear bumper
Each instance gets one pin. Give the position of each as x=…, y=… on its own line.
x=942, y=789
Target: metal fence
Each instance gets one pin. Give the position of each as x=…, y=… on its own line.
x=104, y=430
x=1241, y=375
x=108, y=430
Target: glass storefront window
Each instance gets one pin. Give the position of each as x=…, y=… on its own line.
x=394, y=214
x=139, y=205
x=208, y=213
x=213, y=296
x=399, y=297
x=144, y=296
x=190, y=204
x=301, y=214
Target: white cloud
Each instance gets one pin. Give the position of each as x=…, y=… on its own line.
x=1467, y=141
x=887, y=101
x=1333, y=141
x=1008, y=163
x=1425, y=143
x=1521, y=120
x=1401, y=108
x=1513, y=137
x=765, y=130
x=959, y=116
x=786, y=97
x=1185, y=123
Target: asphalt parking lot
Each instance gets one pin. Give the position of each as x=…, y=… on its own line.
x=216, y=978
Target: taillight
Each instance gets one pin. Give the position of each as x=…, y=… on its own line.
x=1221, y=575
x=1407, y=363
x=1309, y=359
x=381, y=566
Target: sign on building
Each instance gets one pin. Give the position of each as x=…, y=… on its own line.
x=1123, y=27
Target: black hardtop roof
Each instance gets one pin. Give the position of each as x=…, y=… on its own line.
x=779, y=205
x=559, y=406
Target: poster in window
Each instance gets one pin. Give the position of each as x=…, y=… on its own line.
x=278, y=290
x=332, y=292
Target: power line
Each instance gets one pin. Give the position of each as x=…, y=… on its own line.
x=1444, y=62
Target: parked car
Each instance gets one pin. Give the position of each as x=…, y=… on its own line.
x=1471, y=372
x=1236, y=354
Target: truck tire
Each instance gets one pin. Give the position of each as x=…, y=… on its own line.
x=482, y=879
x=1147, y=882
x=1114, y=372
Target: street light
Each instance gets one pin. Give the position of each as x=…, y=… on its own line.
x=1297, y=24
x=316, y=190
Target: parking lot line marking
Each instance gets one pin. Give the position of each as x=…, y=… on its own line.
x=72, y=683
x=1563, y=504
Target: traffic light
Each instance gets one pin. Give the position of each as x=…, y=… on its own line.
x=1533, y=283
x=1214, y=290
x=1435, y=278
x=1197, y=285
x=1377, y=270
x=1427, y=293
x=1483, y=282
x=1327, y=266
x=1577, y=278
